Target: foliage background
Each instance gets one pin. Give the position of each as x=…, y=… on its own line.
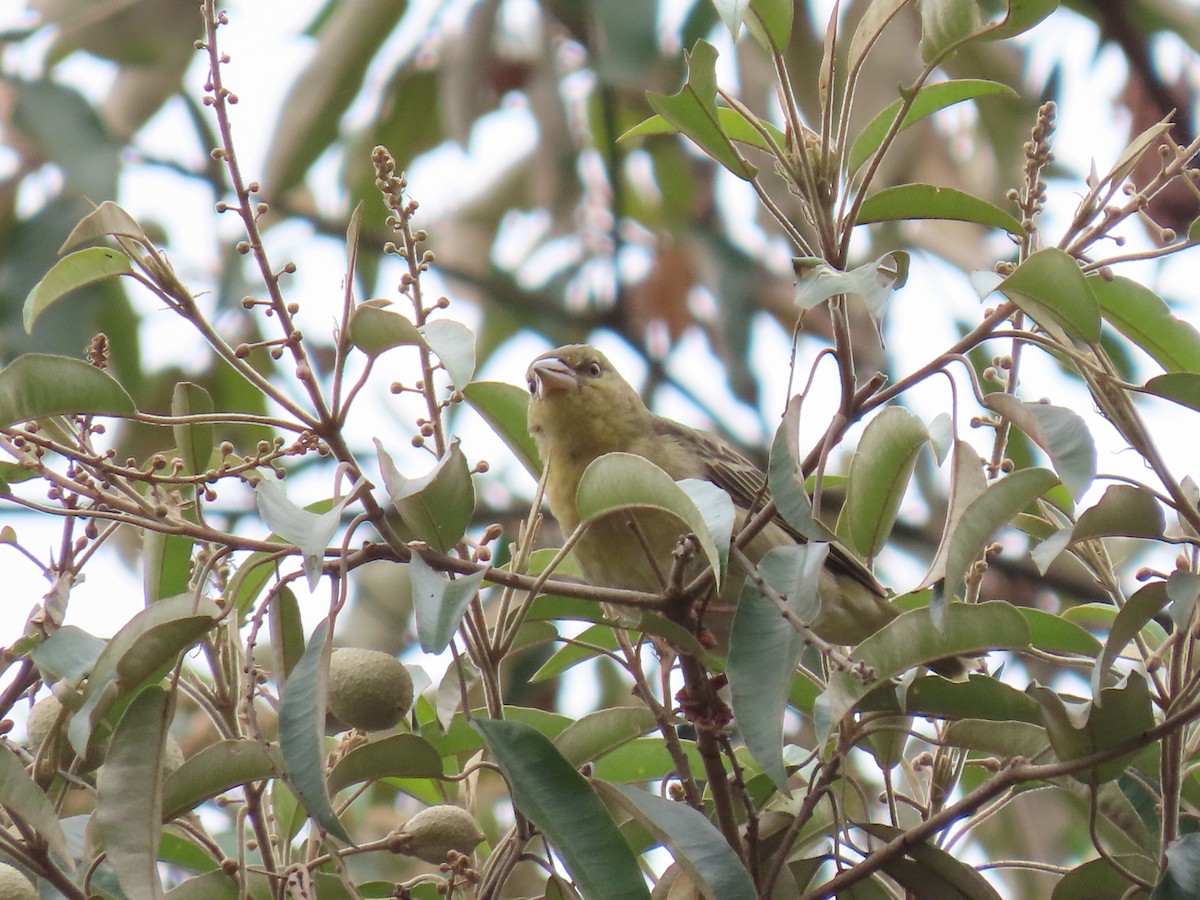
x=542, y=237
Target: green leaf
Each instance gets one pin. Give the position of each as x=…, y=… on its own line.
x=967, y=483
x=1051, y=288
x=1180, y=387
x=913, y=639
x=505, y=408
x=106, y=219
x=1117, y=715
x=716, y=509
x=1061, y=432
x=1058, y=635
x=166, y=564
x=287, y=631
x=773, y=20
x=194, y=440
x=1146, y=319
x=930, y=871
x=250, y=578
x=817, y=281
x=556, y=798
x=928, y=201
x=764, y=650
x=129, y=794
x=454, y=344
x=186, y=853
x=1022, y=15
x=1098, y=879
x=696, y=845
x=642, y=760
x=301, y=724
x=599, y=733
x=310, y=532
x=436, y=507
x=1123, y=510
x=215, y=769
x=22, y=798
x=588, y=644
x=1182, y=878
x=946, y=25
x=37, y=384
x=394, y=756
x=979, y=697
x=1135, y=150
x=147, y=644
x=783, y=478
x=209, y=886
x=694, y=110
x=987, y=514
x=622, y=481
x=1183, y=589
x=70, y=273
x=930, y=99
x=374, y=330
x=1146, y=603
x=70, y=653
x=732, y=12
x=1005, y=739
x=882, y=465
x=439, y=603
x=732, y=123
x=1100, y=617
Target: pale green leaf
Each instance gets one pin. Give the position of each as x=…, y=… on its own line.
x=1061, y=432
x=882, y=465
x=436, y=507
x=693, y=110
x=620, y=481
x=439, y=603
x=129, y=794
x=694, y=842
x=1050, y=287
x=36, y=384
x=930, y=99
x=78, y=269
x=928, y=201
x=301, y=726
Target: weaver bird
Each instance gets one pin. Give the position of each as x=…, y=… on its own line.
x=581, y=408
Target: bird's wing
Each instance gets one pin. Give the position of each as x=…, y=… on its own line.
x=746, y=484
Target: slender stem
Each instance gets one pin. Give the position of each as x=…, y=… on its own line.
x=1012, y=775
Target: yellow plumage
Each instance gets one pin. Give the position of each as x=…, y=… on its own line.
x=581, y=408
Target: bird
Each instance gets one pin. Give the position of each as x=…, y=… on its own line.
x=581, y=408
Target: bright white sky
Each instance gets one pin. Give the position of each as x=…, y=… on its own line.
x=265, y=58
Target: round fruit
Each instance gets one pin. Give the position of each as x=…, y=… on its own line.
x=368, y=689
x=432, y=833
x=41, y=721
x=14, y=885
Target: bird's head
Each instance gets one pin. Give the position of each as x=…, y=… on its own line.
x=580, y=403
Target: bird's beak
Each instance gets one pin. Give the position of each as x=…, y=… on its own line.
x=552, y=375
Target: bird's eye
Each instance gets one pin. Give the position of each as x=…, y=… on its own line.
x=593, y=369
x=533, y=385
